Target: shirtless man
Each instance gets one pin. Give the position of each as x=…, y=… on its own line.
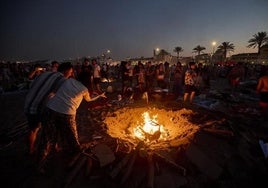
x=262, y=90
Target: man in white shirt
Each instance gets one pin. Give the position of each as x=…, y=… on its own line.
x=61, y=114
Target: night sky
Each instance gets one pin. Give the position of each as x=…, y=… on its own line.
x=57, y=29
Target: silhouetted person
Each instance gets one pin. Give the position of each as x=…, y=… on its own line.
x=189, y=80
x=85, y=76
x=262, y=90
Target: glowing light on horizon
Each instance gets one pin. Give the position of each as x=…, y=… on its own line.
x=213, y=46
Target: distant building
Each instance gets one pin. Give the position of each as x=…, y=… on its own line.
x=245, y=57
x=217, y=58
x=205, y=59
x=253, y=58
x=162, y=56
x=143, y=60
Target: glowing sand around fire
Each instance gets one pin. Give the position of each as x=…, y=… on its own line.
x=156, y=127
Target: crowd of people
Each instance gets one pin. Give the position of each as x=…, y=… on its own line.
x=14, y=76
x=56, y=91
x=184, y=81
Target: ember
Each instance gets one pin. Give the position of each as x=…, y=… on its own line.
x=156, y=127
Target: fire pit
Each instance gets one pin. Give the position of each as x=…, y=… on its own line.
x=157, y=128
x=141, y=142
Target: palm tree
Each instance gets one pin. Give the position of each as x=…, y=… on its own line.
x=198, y=49
x=178, y=49
x=258, y=40
x=226, y=47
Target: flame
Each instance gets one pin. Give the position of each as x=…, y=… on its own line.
x=150, y=129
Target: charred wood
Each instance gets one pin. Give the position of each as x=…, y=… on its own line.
x=181, y=169
x=73, y=160
x=150, y=179
x=219, y=132
x=116, y=170
x=89, y=164
x=75, y=171
x=131, y=163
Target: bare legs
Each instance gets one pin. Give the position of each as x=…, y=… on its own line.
x=186, y=95
x=32, y=139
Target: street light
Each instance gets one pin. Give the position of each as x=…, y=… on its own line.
x=213, y=46
x=213, y=50
x=108, y=52
x=156, y=51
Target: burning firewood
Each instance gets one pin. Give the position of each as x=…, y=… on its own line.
x=145, y=97
x=117, y=145
x=151, y=137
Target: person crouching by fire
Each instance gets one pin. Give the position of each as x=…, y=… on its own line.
x=61, y=114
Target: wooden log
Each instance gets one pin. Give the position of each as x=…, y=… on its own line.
x=129, y=167
x=90, y=155
x=138, y=179
x=172, y=163
x=244, y=134
x=24, y=124
x=219, y=132
x=129, y=147
x=150, y=178
x=74, y=172
x=120, y=166
x=74, y=159
x=131, y=163
x=117, y=146
x=212, y=123
x=17, y=130
x=18, y=134
x=89, y=164
x=157, y=168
